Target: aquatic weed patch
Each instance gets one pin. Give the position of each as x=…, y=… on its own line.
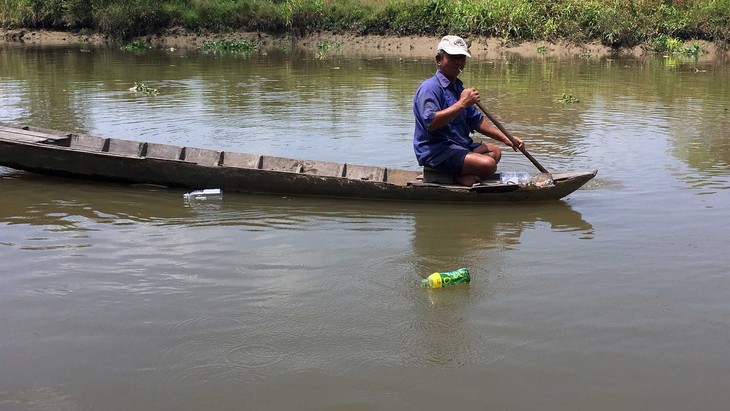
x=568, y=98
x=143, y=88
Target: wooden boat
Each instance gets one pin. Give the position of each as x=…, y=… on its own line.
x=85, y=156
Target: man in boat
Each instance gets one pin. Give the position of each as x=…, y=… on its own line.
x=445, y=116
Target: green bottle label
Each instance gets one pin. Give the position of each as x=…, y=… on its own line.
x=438, y=280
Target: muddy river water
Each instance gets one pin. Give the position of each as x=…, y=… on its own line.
x=119, y=297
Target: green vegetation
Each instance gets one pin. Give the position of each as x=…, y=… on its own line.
x=136, y=45
x=613, y=22
x=324, y=48
x=569, y=98
x=671, y=45
x=230, y=47
x=143, y=88
x=587, y=55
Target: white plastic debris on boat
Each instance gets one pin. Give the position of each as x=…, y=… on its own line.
x=542, y=180
x=207, y=194
x=525, y=179
x=514, y=177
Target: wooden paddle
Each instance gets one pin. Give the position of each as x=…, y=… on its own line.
x=509, y=136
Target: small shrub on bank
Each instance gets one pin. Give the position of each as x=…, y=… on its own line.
x=131, y=18
x=135, y=46
x=671, y=45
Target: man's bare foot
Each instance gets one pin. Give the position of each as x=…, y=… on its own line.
x=468, y=179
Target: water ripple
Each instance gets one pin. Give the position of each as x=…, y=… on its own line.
x=228, y=347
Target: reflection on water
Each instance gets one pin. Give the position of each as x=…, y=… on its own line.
x=445, y=238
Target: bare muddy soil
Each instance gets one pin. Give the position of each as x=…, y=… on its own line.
x=340, y=43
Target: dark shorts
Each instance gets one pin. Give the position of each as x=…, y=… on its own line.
x=454, y=162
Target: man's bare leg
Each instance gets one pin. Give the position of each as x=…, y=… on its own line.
x=478, y=164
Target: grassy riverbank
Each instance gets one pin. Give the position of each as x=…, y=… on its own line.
x=615, y=23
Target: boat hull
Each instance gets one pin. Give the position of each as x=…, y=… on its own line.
x=82, y=156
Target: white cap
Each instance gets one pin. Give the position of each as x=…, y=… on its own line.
x=454, y=45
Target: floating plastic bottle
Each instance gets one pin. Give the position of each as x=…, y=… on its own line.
x=207, y=194
x=439, y=280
